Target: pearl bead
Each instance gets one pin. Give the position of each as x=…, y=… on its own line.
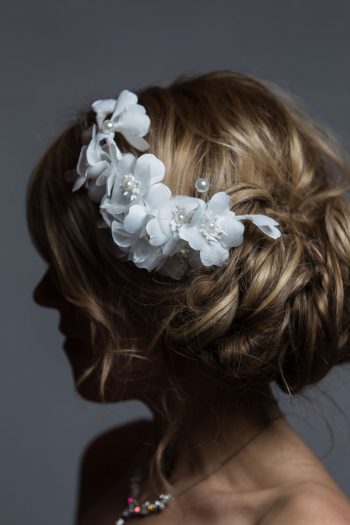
x=108, y=125
x=202, y=185
x=128, y=184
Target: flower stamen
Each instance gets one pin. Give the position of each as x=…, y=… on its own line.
x=210, y=227
x=131, y=186
x=179, y=218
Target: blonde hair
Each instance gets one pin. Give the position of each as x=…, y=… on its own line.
x=279, y=311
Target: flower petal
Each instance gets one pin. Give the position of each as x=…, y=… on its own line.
x=133, y=119
x=119, y=235
x=146, y=256
x=171, y=246
x=149, y=167
x=156, y=234
x=106, y=217
x=136, y=141
x=78, y=183
x=219, y=202
x=82, y=162
x=133, y=123
x=191, y=234
x=102, y=108
x=126, y=164
x=110, y=181
x=106, y=105
x=95, y=170
x=233, y=231
x=159, y=194
x=125, y=98
x=135, y=219
x=265, y=223
x=93, y=150
x=184, y=201
x=111, y=207
x=110, y=152
x=198, y=212
x=213, y=253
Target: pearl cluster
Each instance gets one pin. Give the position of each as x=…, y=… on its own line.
x=179, y=218
x=131, y=187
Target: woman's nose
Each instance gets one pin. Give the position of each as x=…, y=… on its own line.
x=47, y=294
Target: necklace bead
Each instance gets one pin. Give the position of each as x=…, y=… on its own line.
x=135, y=508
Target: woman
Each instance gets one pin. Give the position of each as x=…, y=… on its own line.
x=196, y=310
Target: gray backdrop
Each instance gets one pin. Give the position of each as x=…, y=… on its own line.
x=59, y=55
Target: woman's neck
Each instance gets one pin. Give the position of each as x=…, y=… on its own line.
x=223, y=432
x=222, y=440
x=275, y=460
x=215, y=427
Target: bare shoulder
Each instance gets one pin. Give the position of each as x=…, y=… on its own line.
x=104, y=468
x=108, y=452
x=312, y=504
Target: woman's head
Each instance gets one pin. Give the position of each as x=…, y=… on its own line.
x=278, y=311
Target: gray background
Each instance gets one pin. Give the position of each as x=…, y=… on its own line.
x=57, y=56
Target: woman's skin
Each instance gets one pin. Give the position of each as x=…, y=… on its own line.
x=276, y=479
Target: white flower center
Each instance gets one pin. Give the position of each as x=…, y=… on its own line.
x=130, y=186
x=210, y=227
x=179, y=218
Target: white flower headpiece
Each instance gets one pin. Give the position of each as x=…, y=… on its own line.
x=152, y=227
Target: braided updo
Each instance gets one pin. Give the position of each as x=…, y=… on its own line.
x=280, y=310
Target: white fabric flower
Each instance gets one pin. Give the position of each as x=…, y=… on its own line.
x=144, y=256
x=139, y=214
x=132, y=182
x=152, y=228
x=130, y=229
x=213, y=230
x=139, y=250
x=152, y=236
x=172, y=213
x=120, y=236
x=127, y=117
x=97, y=164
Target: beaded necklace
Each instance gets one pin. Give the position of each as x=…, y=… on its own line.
x=137, y=509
